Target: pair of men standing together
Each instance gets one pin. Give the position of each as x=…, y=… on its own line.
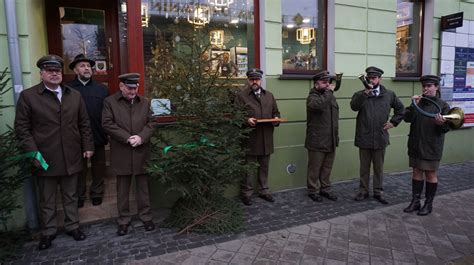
x=53, y=122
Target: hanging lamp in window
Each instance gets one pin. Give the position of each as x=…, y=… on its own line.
x=305, y=35
x=145, y=14
x=199, y=15
x=216, y=38
x=220, y=3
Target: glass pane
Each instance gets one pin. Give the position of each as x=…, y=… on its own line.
x=303, y=35
x=83, y=31
x=408, y=37
x=228, y=23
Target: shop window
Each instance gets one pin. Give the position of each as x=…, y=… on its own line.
x=409, y=36
x=229, y=25
x=303, y=36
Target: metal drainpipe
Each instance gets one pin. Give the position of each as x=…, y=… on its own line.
x=29, y=188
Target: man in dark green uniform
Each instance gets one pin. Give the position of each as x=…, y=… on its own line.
x=373, y=105
x=321, y=136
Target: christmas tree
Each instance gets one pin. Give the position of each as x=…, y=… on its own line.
x=200, y=154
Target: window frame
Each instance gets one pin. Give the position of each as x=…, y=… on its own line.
x=307, y=74
x=420, y=52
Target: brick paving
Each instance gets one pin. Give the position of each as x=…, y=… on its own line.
x=295, y=229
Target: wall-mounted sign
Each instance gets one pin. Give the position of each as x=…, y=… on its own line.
x=452, y=21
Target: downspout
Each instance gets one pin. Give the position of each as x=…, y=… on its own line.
x=29, y=190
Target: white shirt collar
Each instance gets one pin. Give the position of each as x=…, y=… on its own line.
x=58, y=92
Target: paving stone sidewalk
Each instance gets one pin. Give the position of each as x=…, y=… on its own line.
x=381, y=236
x=292, y=209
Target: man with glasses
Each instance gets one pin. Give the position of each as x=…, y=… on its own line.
x=322, y=136
x=52, y=126
x=93, y=94
x=260, y=104
x=127, y=119
x=373, y=107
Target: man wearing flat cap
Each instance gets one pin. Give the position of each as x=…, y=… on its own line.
x=127, y=119
x=425, y=143
x=322, y=136
x=373, y=105
x=93, y=93
x=260, y=104
x=52, y=124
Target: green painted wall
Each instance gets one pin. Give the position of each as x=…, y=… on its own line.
x=31, y=26
x=365, y=33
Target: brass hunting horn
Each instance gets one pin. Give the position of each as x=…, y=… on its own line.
x=455, y=116
x=364, y=81
x=338, y=79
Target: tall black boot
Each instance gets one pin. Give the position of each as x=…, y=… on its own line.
x=417, y=188
x=429, y=194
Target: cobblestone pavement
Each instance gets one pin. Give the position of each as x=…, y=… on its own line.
x=385, y=235
x=294, y=210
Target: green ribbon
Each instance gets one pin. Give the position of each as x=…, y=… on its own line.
x=202, y=141
x=36, y=155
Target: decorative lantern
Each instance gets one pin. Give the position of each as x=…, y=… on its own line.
x=200, y=15
x=145, y=14
x=217, y=38
x=220, y=3
x=305, y=35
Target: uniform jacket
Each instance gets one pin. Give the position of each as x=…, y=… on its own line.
x=260, y=141
x=373, y=113
x=426, y=139
x=322, y=121
x=93, y=94
x=60, y=131
x=120, y=120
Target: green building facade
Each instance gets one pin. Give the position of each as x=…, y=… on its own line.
x=360, y=33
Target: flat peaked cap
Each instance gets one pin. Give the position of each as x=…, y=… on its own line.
x=374, y=71
x=81, y=58
x=254, y=73
x=321, y=75
x=430, y=79
x=130, y=79
x=50, y=60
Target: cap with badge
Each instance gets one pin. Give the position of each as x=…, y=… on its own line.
x=254, y=73
x=322, y=75
x=430, y=79
x=130, y=79
x=374, y=71
x=50, y=61
x=81, y=58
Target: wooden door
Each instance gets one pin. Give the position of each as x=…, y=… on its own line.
x=87, y=27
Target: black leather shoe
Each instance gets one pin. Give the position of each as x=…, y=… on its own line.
x=330, y=195
x=315, y=197
x=45, y=242
x=122, y=230
x=80, y=203
x=96, y=201
x=361, y=196
x=266, y=197
x=246, y=200
x=149, y=225
x=77, y=234
x=381, y=199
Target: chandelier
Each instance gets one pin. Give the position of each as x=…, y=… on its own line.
x=145, y=14
x=220, y=3
x=200, y=15
x=216, y=38
x=305, y=35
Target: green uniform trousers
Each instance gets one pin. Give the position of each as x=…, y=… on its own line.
x=263, y=163
x=142, y=195
x=319, y=171
x=48, y=186
x=368, y=157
